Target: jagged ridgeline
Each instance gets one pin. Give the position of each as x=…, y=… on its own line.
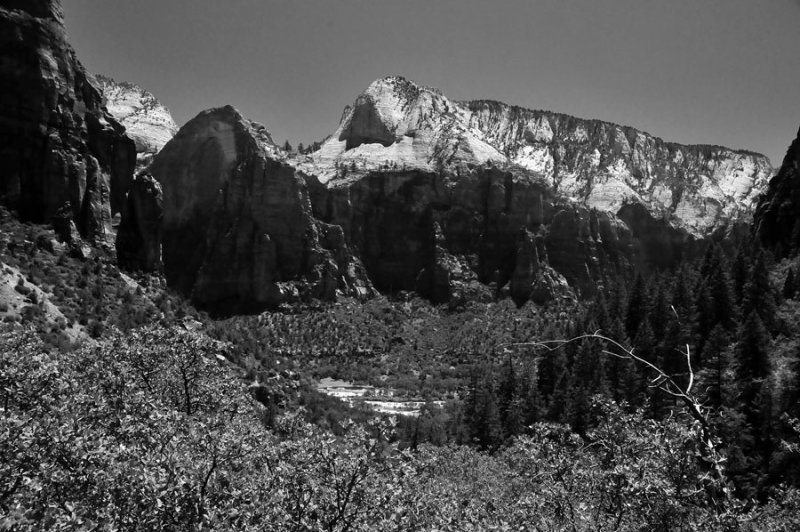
x=454, y=200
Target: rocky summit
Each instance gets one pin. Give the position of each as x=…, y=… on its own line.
x=146, y=120
x=452, y=198
x=238, y=231
x=63, y=155
x=397, y=124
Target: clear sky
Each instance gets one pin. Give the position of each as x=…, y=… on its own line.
x=692, y=71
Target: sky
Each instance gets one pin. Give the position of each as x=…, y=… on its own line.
x=723, y=72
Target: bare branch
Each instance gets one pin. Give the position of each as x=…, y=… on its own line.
x=664, y=382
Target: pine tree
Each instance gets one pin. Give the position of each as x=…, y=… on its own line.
x=659, y=310
x=552, y=368
x=712, y=381
x=759, y=295
x=750, y=423
x=487, y=430
x=645, y=341
x=740, y=272
x=599, y=313
x=532, y=406
x=712, y=261
x=751, y=364
x=723, y=300
x=637, y=306
x=791, y=396
x=287, y=146
x=683, y=293
x=557, y=405
x=622, y=384
x=618, y=300
x=715, y=301
x=789, y=288
x=508, y=399
x=588, y=379
x=471, y=403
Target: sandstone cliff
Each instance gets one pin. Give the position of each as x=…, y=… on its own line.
x=456, y=201
x=238, y=232
x=61, y=150
x=777, y=219
x=399, y=125
x=146, y=120
x=436, y=194
x=139, y=236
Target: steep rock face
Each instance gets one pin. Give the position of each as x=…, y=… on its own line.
x=139, y=237
x=532, y=279
x=436, y=195
x=398, y=125
x=238, y=233
x=777, y=219
x=436, y=234
x=58, y=145
x=146, y=120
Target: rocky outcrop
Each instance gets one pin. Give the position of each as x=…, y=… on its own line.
x=57, y=143
x=533, y=279
x=440, y=235
x=146, y=120
x=777, y=219
x=435, y=194
x=398, y=125
x=139, y=237
x=238, y=230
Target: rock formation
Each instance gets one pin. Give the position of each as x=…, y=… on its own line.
x=146, y=120
x=777, y=219
x=429, y=190
x=408, y=225
x=456, y=201
x=139, y=236
x=398, y=125
x=57, y=143
x=238, y=231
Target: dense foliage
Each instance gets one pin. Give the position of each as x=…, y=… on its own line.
x=155, y=428
x=152, y=431
x=487, y=361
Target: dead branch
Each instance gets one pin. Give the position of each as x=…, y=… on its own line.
x=667, y=384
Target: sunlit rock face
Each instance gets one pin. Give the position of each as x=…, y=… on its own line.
x=146, y=120
x=412, y=176
x=777, y=220
x=399, y=125
x=60, y=150
x=238, y=232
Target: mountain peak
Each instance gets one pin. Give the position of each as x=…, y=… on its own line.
x=147, y=121
x=400, y=125
x=401, y=87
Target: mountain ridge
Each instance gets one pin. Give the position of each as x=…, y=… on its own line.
x=397, y=123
